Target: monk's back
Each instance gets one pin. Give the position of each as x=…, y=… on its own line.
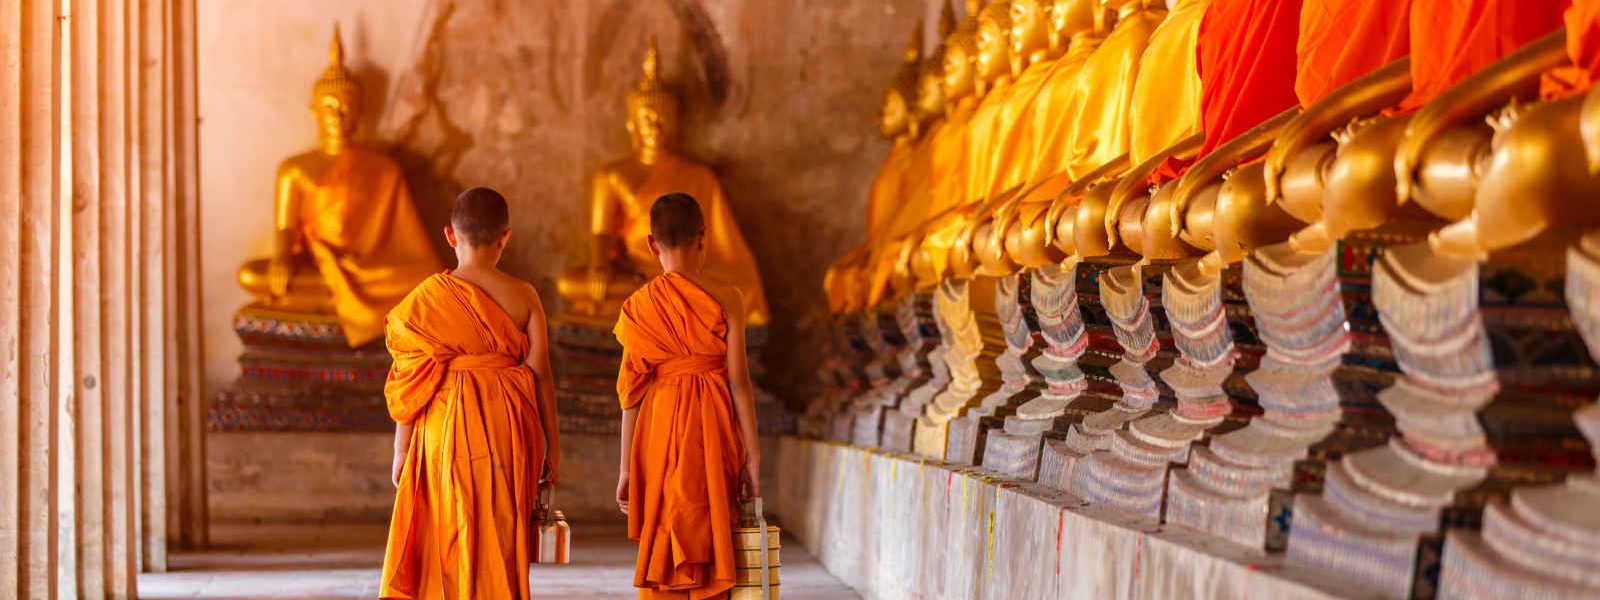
x=512, y=295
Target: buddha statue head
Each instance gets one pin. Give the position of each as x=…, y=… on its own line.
x=894, y=120
x=652, y=110
x=1069, y=18
x=994, y=45
x=930, y=74
x=1030, y=33
x=336, y=100
x=960, y=54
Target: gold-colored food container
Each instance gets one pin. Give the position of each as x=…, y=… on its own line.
x=751, y=539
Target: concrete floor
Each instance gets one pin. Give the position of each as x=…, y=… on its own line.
x=343, y=560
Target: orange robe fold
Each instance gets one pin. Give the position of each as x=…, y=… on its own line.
x=686, y=455
x=366, y=238
x=467, y=487
x=1246, y=60
x=1451, y=39
x=1341, y=41
x=1583, y=47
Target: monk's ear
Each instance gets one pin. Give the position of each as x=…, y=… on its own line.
x=655, y=250
x=450, y=236
x=505, y=238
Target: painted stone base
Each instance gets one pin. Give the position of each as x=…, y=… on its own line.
x=899, y=429
x=1012, y=455
x=931, y=438
x=298, y=373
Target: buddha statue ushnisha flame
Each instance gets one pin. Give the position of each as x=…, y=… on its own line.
x=620, y=195
x=348, y=239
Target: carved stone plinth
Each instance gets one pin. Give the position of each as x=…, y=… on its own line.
x=1379, y=504
x=882, y=335
x=918, y=337
x=1122, y=296
x=1299, y=316
x=1545, y=542
x=1016, y=450
x=899, y=425
x=967, y=310
x=298, y=373
x=1020, y=380
x=1131, y=475
x=844, y=376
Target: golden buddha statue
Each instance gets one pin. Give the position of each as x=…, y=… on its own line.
x=1100, y=129
x=620, y=195
x=348, y=239
x=848, y=282
x=928, y=252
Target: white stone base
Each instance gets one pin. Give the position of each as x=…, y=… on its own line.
x=894, y=527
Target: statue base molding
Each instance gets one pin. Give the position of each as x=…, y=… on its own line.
x=298, y=373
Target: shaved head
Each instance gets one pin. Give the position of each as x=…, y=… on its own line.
x=675, y=220
x=479, y=216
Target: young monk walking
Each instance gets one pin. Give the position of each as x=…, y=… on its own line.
x=472, y=394
x=688, y=415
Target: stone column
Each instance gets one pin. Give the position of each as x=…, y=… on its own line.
x=1019, y=380
x=1545, y=542
x=1228, y=485
x=1054, y=299
x=89, y=140
x=1378, y=504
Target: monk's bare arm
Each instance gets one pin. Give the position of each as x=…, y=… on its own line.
x=402, y=443
x=630, y=417
x=744, y=404
x=544, y=379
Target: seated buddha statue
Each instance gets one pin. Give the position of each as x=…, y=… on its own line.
x=349, y=241
x=620, y=195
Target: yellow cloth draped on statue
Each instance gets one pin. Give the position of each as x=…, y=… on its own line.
x=1165, y=107
x=365, y=236
x=728, y=257
x=1013, y=159
x=983, y=142
x=887, y=195
x=1053, y=118
x=1101, y=104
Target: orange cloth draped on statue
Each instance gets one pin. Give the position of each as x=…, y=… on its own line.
x=1165, y=107
x=471, y=473
x=886, y=195
x=1451, y=39
x=1246, y=59
x=1583, y=47
x=1341, y=41
x=363, y=232
x=686, y=455
x=728, y=257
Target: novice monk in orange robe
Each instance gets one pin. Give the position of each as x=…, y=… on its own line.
x=688, y=418
x=472, y=393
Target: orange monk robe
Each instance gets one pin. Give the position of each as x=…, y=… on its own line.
x=1246, y=60
x=1583, y=47
x=1451, y=39
x=467, y=486
x=1052, y=122
x=363, y=232
x=1101, y=129
x=1341, y=41
x=1165, y=107
x=728, y=257
x=686, y=454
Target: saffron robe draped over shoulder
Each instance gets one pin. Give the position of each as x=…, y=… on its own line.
x=468, y=484
x=367, y=240
x=686, y=454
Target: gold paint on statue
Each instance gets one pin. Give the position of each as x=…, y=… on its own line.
x=1165, y=105
x=620, y=195
x=348, y=238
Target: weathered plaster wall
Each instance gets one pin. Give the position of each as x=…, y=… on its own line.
x=780, y=99
x=257, y=61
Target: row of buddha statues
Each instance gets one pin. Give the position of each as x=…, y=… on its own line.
x=1131, y=250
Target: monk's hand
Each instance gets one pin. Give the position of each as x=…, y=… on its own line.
x=751, y=478
x=552, y=468
x=622, y=493
x=399, y=462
